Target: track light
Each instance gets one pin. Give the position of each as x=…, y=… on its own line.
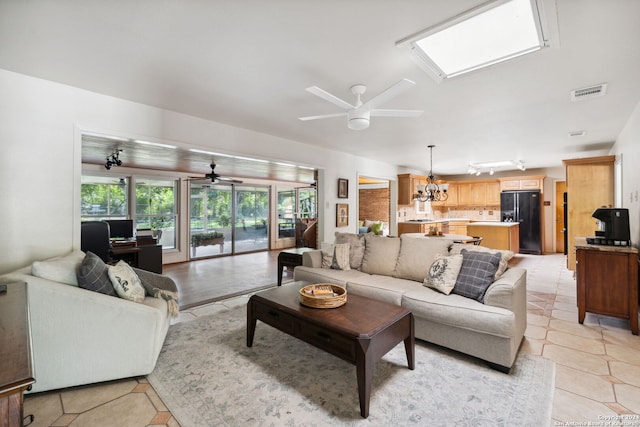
x=113, y=160
x=491, y=171
x=521, y=165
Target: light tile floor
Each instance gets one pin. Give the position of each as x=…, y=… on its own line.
x=597, y=364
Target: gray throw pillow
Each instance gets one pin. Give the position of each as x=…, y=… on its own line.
x=477, y=274
x=94, y=275
x=356, y=247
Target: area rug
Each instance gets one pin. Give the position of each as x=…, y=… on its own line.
x=207, y=376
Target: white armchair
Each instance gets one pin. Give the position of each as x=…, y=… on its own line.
x=83, y=337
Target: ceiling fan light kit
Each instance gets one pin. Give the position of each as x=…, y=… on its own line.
x=359, y=114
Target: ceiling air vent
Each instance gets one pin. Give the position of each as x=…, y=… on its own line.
x=589, y=92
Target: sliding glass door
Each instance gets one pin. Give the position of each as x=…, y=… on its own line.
x=228, y=219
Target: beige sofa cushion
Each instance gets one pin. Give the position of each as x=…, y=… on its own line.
x=380, y=254
x=417, y=255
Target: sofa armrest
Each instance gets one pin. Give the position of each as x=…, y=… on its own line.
x=312, y=259
x=510, y=287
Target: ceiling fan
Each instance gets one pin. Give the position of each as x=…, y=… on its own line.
x=214, y=177
x=358, y=115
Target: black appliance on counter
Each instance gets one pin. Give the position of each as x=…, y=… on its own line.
x=613, y=227
x=524, y=207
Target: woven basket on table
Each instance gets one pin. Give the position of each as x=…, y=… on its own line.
x=322, y=301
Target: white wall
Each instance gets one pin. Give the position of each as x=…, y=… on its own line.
x=628, y=146
x=40, y=164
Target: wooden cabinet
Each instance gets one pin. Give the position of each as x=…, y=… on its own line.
x=452, y=199
x=422, y=227
x=522, y=183
x=607, y=279
x=407, y=184
x=478, y=193
x=589, y=186
x=458, y=227
x=16, y=370
x=493, y=193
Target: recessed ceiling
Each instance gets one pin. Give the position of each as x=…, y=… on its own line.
x=247, y=63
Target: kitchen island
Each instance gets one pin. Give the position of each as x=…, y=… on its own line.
x=497, y=235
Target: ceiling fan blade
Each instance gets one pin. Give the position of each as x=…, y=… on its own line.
x=321, y=93
x=324, y=116
x=396, y=113
x=389, y=93
x=225, y=179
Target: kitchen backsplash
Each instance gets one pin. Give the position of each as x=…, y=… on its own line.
x=487, y=213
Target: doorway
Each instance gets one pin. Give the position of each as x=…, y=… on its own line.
x=374, y=201
x=561, y=189
x=227, y=219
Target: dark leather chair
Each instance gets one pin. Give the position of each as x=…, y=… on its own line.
x=310, y=236
x=94, y=237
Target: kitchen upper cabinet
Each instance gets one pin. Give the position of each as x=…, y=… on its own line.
x=407, y=184
x=493, y=193
x=521, y=183
x=452, y=199
x=477, y=193
x=464, y=194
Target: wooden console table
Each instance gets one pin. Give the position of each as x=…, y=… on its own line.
x=607, y=278
x=16, y=367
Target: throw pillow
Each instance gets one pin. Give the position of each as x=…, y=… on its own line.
x=341, y=257
x=356, y=247
x=126, y=282
x=476, y=274
x=376, y=228
x=380, y=254
x=416, y=256
x=327, y=254
x=94, y=275
x=505, y=255
x=443, y=273
x=335, y=255
x=63, y=269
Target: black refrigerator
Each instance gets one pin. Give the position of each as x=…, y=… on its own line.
x=524, y=207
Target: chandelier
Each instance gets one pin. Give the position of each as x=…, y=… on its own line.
x=431, y=192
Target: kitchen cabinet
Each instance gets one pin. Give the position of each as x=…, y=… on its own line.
x=607, y=281
x=478, y=193
x=407, y=184
x=521, y=183
x=583, y=197
x=493, y=193
x=422, y=227
x=458, y=227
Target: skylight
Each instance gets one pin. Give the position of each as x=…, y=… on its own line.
x=492, y=33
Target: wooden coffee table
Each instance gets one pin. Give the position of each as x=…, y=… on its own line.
x=360, y=332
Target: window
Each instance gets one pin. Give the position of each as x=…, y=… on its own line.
x=493, y=33
x=156, y=202
x=103, y=198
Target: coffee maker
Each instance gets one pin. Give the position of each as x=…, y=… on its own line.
x=613, y=227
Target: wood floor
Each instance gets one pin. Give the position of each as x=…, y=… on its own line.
x=209, y=280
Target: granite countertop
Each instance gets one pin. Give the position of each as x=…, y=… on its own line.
x=581, y=243
x=495, y=224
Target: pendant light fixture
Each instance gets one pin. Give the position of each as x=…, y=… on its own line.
x=431, y=192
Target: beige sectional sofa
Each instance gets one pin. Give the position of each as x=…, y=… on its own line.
x=392, y=269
